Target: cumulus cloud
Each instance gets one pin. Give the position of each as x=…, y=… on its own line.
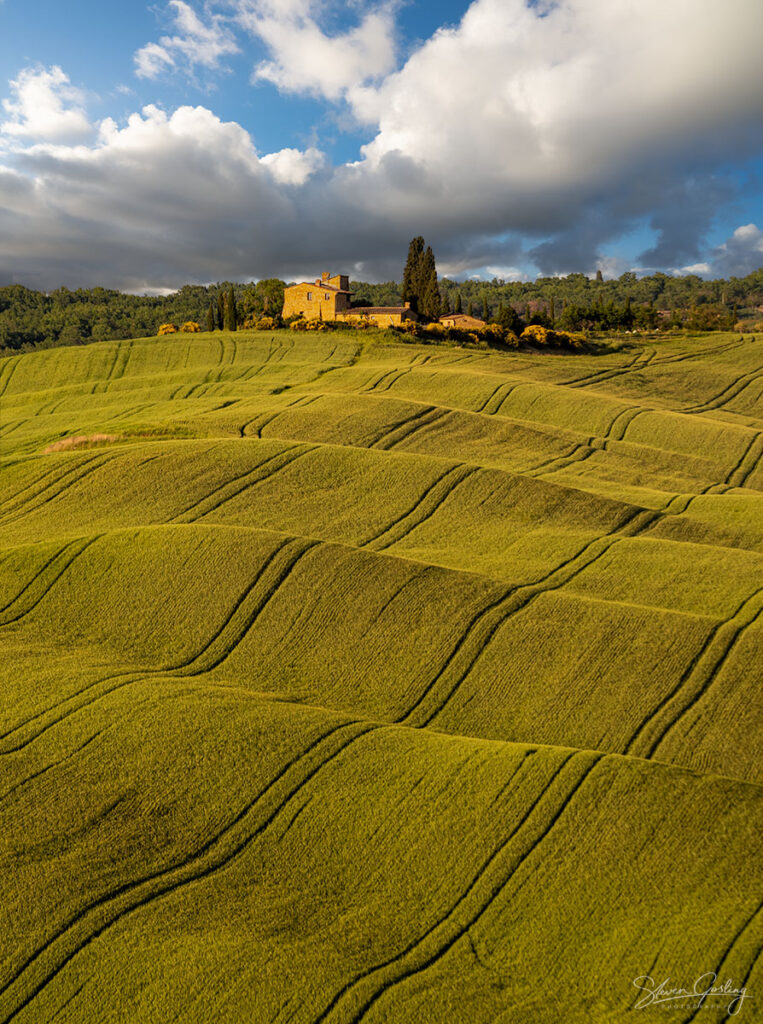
x=293, y=166
x=307, y=59
x=546, y=129
x=738, y=256
x=196, y=43
x=46, y=106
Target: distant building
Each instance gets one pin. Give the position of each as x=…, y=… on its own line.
x=323, y=299
x=328, y=298
x=462, y=321
x=382, y=316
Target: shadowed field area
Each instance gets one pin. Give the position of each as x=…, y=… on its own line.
x=350, y=681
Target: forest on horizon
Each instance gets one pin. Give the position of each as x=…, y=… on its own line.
x=33, y=319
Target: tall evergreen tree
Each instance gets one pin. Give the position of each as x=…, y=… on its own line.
x=470, y=309
x=458, y=307
x=445, y=304
x=211, y=317
x=485, y=308
x=428, y=290
x=551, y=309
x=231, y=313
x=220, y=311
x=412, y=272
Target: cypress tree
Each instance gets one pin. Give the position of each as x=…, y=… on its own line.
x=426, y=286
x=551, y=309
x=211, y=317
x=445, y=306
x=231, y=313
x=599, y=276
x=220, y=311
x=470, y=309
x=411, y=274
x=485, y=308
x=458, y=308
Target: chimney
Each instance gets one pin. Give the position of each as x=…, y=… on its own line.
x=406, y=305
x=325, y=275
x=318, y=281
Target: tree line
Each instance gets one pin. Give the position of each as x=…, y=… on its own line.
x=33, y=319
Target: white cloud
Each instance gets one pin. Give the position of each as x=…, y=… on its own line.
x=197, y=43
x=522, y=124
x=151, y=60
x=738, y=256
x=46, y=106
x=293, y=166
x=306, y=59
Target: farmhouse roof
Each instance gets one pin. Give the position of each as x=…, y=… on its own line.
x=321, y=286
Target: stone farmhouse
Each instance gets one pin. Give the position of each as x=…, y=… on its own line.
x=462, y=321
x=328, y=298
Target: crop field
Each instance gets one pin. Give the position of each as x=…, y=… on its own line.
x=347, y=680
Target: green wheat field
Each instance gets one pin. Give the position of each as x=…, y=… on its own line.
x=352, y=680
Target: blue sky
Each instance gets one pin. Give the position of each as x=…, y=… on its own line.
x=520, y=138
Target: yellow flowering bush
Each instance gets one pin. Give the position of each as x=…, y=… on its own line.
x=298, y=325
x=190, y=327
x=167, y=329
x=536, y=335
x=265, y=323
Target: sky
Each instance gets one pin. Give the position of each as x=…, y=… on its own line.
x=144, y=147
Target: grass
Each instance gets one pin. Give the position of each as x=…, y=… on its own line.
x=354, y=680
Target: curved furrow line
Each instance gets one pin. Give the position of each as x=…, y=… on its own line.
x=51, y=472
x=279, y=568
x=46, y=582
x=421, y=424
x=390, y=436
x=495, y=402
x=747, y=464
x=494, y=392
x=287, y=458
x=724, y=957
x=377, y=378
x=636, y=364
x=695, y=680
x=82, y=928
x=353, y=1002
x=394, y=380
x=119, y=373
x=102, y=385
x=577, y=381
x=386, y=430
x=483, y=626
x=98, y=689
x=54, y=764
x=58, y=554
x=72, y=477
x=729, y=392
x=11, y=428
x=260, y=472
x=301, y=402
x=5, y=378
x=578, y=453
x=425, y=507
x=709, y=674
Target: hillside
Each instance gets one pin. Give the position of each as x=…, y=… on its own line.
x=353, y=681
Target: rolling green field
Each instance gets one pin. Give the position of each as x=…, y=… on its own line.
x=346, y=680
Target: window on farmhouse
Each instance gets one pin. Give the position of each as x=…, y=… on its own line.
x=327, y=296
x=309, y=296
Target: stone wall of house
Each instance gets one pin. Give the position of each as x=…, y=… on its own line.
x=380, y=319
x=314, y=301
